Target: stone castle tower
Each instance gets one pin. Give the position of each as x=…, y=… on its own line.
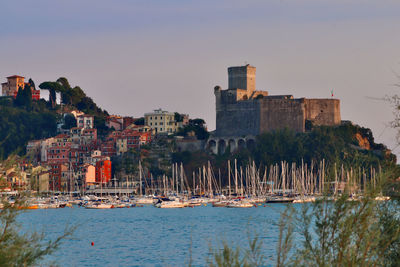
x=244, y=112
x=243, y=77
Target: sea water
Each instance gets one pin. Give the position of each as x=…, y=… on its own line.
x=148, y=236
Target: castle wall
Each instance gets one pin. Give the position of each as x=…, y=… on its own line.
x=276, y=114
x=237, y=118
x=323, y=111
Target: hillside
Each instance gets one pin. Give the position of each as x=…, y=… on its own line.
x=22, y=119
x=18, y=126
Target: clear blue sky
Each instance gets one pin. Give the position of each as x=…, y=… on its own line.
x=135, y=56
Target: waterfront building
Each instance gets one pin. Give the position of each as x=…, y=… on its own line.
x=88, y=172
x=43, y=181
x=103, y=171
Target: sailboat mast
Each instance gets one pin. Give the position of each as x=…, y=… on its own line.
x=236, y=181
x=140, y=177
x=229, y=178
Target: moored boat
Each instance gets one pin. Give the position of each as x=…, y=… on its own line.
x=239, y=204
x=220, y=204
x=99, y=206
x=279, y=199
x=170, y=204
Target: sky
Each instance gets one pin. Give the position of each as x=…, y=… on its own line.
x=135, y=56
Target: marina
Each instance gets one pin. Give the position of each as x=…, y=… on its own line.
x=243, y=187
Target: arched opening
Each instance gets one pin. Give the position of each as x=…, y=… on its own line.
x=251, y=144
x=211, y=146
x=241, y=144
x=221, y=146
x=232, y=145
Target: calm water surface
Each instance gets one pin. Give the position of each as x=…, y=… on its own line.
x=152, y=237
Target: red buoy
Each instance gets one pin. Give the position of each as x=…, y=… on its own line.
x=92, y=243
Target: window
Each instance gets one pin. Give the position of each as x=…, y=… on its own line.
x=155, y=123
x=161, y=123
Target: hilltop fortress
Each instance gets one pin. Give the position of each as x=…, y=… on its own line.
x=242, y=112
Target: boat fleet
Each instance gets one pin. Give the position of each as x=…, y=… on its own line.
x=245, y=187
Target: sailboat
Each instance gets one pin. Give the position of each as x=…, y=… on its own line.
x=142, y=199
x=100, y=205
x=240, y=204
x=172, y=204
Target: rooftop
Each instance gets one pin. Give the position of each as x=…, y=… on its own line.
x=15, y=76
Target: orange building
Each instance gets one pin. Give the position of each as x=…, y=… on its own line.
x=10, y=88
x=103, y=171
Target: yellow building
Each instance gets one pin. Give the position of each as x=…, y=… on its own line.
x=10, y=88
x=164, y=122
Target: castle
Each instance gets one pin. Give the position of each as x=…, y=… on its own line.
x=242, y=112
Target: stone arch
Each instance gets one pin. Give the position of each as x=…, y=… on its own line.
x=241, y=144
x=232, y=145
x=212, y=146
x=221, y=146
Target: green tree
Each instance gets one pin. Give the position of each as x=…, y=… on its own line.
x=20, y=99
x=139, y=121
x=178, y=117
x=69, y=121
x=197, y=126
x=53, y=88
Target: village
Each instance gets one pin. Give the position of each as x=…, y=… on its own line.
x=77, y=159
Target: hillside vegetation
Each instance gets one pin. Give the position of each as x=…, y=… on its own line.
x=347, y=144
x=22, y=119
